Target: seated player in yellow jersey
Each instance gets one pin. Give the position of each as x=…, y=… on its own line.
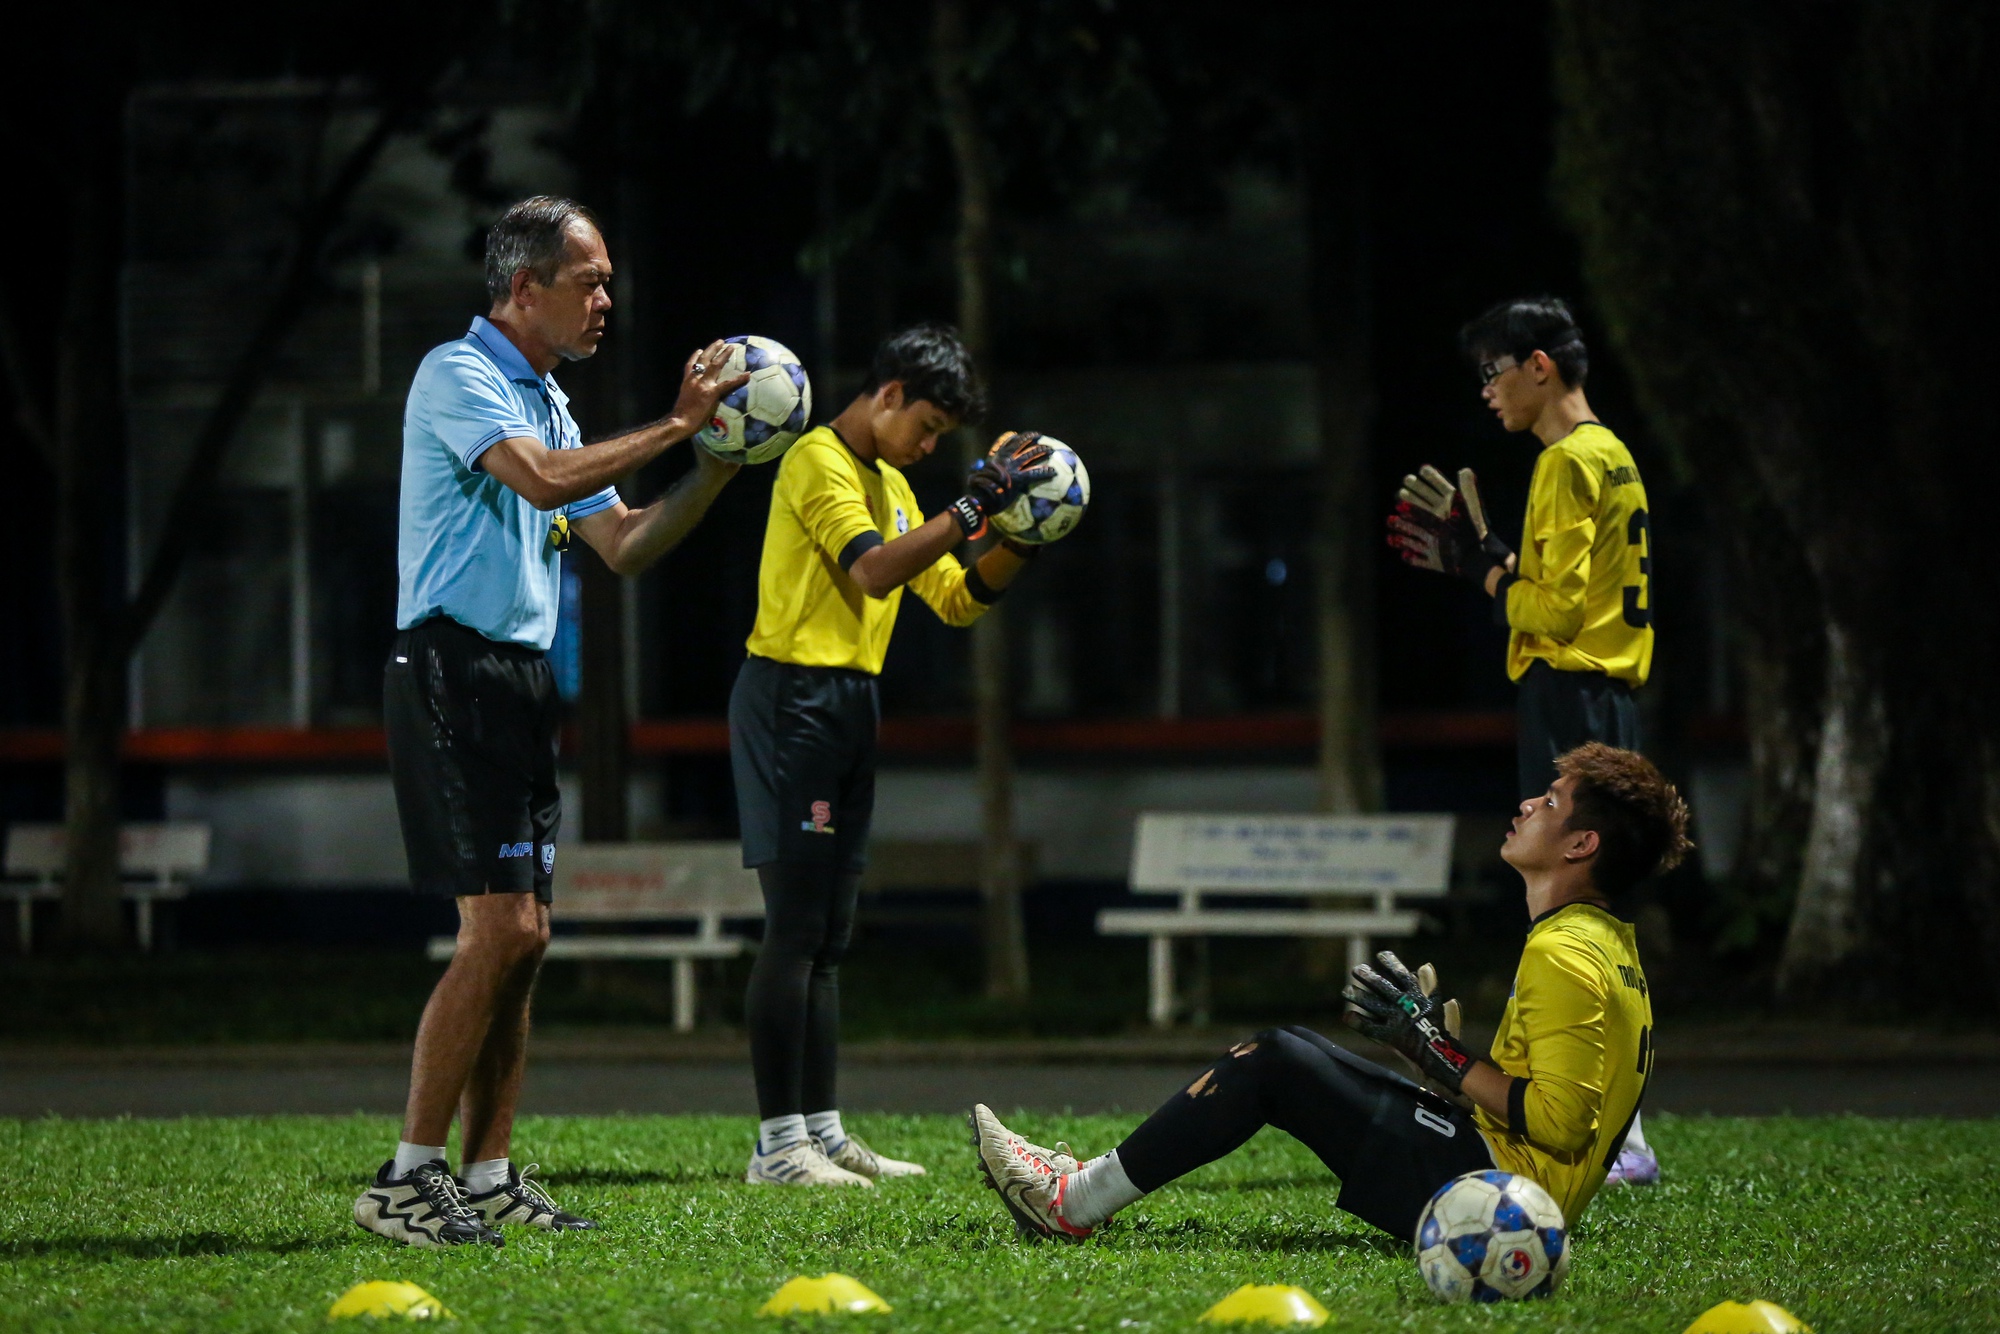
x=844, y=537
x=1566, y=1073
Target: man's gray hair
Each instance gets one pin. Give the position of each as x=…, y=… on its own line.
x=531, y=235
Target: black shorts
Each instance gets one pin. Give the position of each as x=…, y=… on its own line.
x=1559, y=711
x=802, y=748
x=1410, y=1141
x=473, y=727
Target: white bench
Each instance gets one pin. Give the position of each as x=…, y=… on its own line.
x=157, y=860
x=1368, y=858
x=654, y=884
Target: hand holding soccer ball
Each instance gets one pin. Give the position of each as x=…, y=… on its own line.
x=1046, y=501
x=764, y=401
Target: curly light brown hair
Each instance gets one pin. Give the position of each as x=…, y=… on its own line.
x=1639, y=817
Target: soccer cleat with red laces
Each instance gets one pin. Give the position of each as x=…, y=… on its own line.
x=1026, y=1177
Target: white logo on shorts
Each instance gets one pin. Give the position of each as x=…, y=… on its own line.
x=1428, y=1118
x=548, y=859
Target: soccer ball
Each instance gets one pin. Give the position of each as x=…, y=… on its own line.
x=756, y=422
x=1492, y=1236
x=1047, y=510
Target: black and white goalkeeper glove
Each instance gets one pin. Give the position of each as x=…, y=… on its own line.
x=1015, y=463
x=1441, y=527
x=1394, y=1008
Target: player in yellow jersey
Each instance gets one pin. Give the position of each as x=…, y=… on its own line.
x=1566, y=1073
x=843, y=539
x=1578, y=600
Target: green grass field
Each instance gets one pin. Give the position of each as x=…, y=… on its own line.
x=243, y=1225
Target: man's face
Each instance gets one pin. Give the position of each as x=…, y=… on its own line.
x=1515, y=391
x=568, y=315
x=906, y=433
x=1541, y=838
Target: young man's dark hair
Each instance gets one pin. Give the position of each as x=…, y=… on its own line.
x=1639, y=818
x=1524, y=326
x=934, y=367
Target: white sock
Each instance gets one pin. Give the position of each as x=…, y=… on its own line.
x=781, y=1132
x=1635, y=1138
x=826, y=1128
x=410, y=1156
x=487, y=1174
x=1098, y=1190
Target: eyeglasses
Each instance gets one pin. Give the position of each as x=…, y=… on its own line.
x=1489, y=371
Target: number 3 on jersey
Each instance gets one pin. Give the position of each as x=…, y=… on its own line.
x=1639, y=596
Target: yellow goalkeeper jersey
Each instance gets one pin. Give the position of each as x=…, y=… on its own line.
x=828, y=503
x=1583, y=601
x=1577, y=1036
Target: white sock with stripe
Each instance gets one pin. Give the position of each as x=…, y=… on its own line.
x=781, y=1132
x=826, y=1128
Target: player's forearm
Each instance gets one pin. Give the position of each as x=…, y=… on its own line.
x=881, y=570
x=645, y=535
x=549, y=478
x=999, y=567
x=1489, y=1087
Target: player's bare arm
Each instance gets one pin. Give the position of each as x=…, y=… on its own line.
x=881, y=570
x=631, y=539
x=547, y=478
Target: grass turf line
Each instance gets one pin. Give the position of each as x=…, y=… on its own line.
x=243, y=1224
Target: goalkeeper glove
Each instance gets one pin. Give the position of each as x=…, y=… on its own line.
x=1436, y=526
x=1393, y=1008
x=997, y=481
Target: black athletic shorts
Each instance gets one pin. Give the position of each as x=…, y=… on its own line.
x=1559, y=711
x=1411, y=1141
x=802, y=747
x=473, y=727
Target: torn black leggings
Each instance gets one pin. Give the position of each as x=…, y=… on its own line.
x=1391, y=1143
x=793, y=1005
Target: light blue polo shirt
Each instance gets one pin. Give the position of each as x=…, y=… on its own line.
x=468, y=546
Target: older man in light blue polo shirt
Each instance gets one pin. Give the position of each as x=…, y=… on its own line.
x=496, y=479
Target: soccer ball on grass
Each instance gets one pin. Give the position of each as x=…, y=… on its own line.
x=1049, y=509
x=756, y=422
x=1492, y=1236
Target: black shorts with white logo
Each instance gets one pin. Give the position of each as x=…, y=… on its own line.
x=802, y=748
x=473, y=727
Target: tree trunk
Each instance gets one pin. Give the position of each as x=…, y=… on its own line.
x=89, y=433
x=1337, y=187
x=999, y=861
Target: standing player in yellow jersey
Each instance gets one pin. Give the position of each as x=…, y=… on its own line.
x=844, y=537
x=1566, y=1073
x=1578, y=601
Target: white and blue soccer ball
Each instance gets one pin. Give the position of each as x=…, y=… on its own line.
x=759, y=420
x=1049, y=509
x=1492, y=1236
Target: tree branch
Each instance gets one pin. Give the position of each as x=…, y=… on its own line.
x=247, y=376
x=34, y=425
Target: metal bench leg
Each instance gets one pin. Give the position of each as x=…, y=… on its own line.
x=1161, y=971
x=144, y=921
x=1357, y=952
x=683, y=995
x=24, y=919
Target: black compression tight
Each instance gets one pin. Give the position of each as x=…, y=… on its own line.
x=1291, y=1078
x=793, y=1005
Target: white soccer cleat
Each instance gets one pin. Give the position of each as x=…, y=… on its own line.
x=424, y=1208
x=801, y=1164
x=855, y=1156
x=1029, y=1183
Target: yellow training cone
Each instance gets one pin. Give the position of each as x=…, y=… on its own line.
x=383, y=1299
x=1758, y=1317
x=1267, y=1304
x=829, y=1294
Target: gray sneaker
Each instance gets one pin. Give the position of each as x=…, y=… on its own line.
x=858, y=1158
x=425, y=1207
